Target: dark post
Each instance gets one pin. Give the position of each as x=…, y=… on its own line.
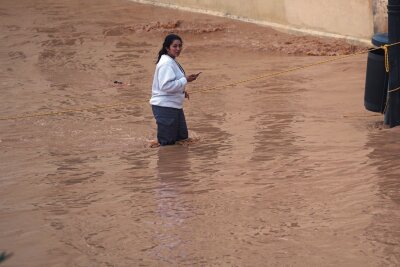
x=392, y=115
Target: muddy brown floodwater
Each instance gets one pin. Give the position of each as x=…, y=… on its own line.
x=287, y=171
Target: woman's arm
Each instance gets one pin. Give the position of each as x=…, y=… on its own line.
x=168, y=82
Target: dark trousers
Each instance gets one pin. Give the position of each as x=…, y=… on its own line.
x=171, y=125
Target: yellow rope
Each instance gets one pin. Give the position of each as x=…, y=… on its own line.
x=275, y=74
x=385, y=49
x=387, y=99
x=394, y=90
x=32, y=115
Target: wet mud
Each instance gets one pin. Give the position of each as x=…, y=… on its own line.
x=285, y=171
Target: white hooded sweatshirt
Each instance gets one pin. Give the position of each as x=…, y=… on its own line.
x=168, y=84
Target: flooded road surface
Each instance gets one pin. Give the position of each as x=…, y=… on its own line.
x=288, y=171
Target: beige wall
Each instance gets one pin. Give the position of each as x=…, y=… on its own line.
x=379, y=10
x=344, y=17
x=352, y=19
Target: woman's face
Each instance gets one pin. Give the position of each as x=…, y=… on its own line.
x=175, y=49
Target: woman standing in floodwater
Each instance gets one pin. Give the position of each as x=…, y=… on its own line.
x=168, y=93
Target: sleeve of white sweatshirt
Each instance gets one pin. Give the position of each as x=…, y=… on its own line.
x=167, y=80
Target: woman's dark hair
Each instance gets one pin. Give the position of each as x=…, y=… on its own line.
x=167, y=43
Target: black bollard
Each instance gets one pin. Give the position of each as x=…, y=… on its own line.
x=392, y=115
x=376, y=80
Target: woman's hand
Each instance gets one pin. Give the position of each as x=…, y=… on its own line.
x=187, y=95
x=192, y=77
